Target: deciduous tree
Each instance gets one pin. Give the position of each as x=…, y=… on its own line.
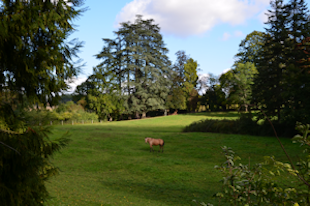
x=190, y=83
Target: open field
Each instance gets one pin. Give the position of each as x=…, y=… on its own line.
x=110, y=164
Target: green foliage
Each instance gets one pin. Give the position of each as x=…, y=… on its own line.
x=105, y=105
x=281, y=87
x=35, y=63
x=25, y=161
x=190, y=83
x=214, y=96
x=191, y=77
x=64, y=112
x=192, y=101
x=226, y=83
x=98, y=95
x=250, y=48
x=261, y=185
x=243, y=185
x=178, y=95
x=176, y=99
x=244, y=125
x=136, y=65
x=179, y=68
x=242, y=81
x=35, y=59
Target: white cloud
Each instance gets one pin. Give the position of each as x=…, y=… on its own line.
x=226, y=36
x=263, y=17
x=191, y=17
x=238, y=33
x=74, y=82
x=225, y=71
x=202, y=78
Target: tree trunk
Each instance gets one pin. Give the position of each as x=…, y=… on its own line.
x=143, y=115
x=137, y=115
x=110, y=118
x=175, y=112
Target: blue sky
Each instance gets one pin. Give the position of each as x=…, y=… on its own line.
x=207, y=30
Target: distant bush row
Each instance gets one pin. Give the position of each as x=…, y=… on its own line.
x=244, y=125
x=67, y=112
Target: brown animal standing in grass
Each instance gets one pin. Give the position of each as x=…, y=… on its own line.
x=155, y=142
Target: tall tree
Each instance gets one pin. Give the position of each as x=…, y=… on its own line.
x=297, y=73
x=36, y=58
x=242, y=80
x=269, y=83
x=250, y=48
x=35, y=62
x=238, y=82
x=282, y=85
x=112, y=65
x=144, y=69
x=190, y=83
x=226, y=82
x=190, y=75
x=214, y=96
x=178, y=67
x=177, y=98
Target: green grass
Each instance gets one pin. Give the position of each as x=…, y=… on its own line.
x=110, y=164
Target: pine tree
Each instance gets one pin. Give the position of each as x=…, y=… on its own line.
x=35, y=59
x=178, y=67
x=144, y=68
x=269, y=83
x=35, y=62
x=282, y=85
x=298, y=65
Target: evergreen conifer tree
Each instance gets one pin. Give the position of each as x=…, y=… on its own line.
x=35, y=62
x=297, y=74
x=269, y=84
x=282, y=84
x=144, y=68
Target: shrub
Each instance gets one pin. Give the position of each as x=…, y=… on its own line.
x=244, y=125
x=261, y=185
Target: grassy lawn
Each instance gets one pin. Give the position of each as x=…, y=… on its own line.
x=110, y=164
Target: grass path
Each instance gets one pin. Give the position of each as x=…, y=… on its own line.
x=109, y=163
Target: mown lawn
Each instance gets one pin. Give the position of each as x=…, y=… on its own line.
x=110, y=164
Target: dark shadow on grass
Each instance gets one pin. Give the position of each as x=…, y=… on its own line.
x=174, y=193
x=155, y=129
x=219, y=114
x=215, y=114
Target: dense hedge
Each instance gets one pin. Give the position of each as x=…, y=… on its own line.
x=243, y=125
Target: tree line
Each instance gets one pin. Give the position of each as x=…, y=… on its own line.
x=135, y=75
x=270, y=72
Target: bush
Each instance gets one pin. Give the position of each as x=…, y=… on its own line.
x=244, y=125
x=65, y=112
x=261, y=185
